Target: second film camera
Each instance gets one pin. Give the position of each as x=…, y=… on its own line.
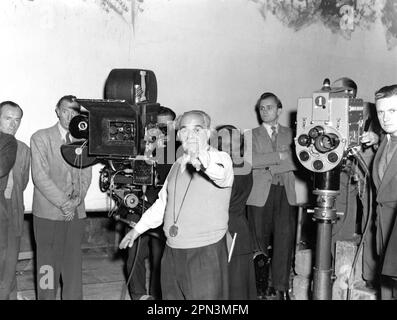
x=116, y=131
x=329, y=128
x=328, y=125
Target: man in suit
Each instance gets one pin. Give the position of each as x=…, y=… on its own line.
x=58, y=207
x=271, y=211
x=8, y=151
x=353, y=195
x=10, y=119
x=384, y=175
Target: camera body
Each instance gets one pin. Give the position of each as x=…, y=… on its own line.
x=328, y=125
x=116, y=132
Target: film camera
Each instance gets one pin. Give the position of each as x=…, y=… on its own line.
x=328, y=125
x=116, y=131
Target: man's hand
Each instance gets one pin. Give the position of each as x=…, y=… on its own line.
x=283, y=155
x=193, y=150
x=69, y=208
x=198, y=156
x=129, y=239
x=369, y=138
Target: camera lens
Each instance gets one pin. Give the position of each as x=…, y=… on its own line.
x=304, y=156
x=318, y=165
x=304, y=140
x=333, y=157
x=326, y=142
x=316, y=131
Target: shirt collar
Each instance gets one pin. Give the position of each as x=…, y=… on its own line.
x=184, y=162
x=268, y=128
x=62, y=131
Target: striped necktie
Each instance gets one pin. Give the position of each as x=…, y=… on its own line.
x=274, y=137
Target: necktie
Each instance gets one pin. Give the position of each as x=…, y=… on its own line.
x=67, y=138
x=274, y=137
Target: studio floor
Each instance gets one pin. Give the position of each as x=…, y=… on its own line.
x=103, y=277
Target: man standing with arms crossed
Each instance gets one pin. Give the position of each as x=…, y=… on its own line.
x=271, y=211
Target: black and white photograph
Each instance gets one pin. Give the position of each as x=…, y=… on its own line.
x=209, y=157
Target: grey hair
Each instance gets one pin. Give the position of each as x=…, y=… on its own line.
x=205, y=116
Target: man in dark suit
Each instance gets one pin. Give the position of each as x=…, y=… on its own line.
x=271, y=211
x=8, y=151
x=58, y=207
x=10, y=119
x=385, y=179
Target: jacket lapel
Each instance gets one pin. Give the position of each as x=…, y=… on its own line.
x=263, y=133
x=56, y=134
x=390, y=172
x=264, y=140
x=281, y=136
x=375, y=171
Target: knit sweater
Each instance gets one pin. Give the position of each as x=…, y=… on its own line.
x=202, y=217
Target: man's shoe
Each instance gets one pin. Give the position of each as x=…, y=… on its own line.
x=282, y=295
x=270, y=293
x=261, y=265
x=142, y=297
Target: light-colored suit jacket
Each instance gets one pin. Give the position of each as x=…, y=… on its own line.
x=386, y=198
x=53, y=178
x=266, y=162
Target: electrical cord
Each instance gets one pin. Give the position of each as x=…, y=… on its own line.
x=131, y=271
x=348, y=186
x=364, y=166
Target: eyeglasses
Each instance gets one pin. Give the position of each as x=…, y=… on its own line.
x=184, y=132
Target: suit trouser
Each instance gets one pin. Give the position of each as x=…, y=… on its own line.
x=58, y=250
x=136, y=259
x=149, y=248
x=345, y=228
x=385, y=222
x=277, y=220
x=195, y=274
x=9, y=250
x=242, y=284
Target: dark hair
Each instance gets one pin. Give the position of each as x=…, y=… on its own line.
x=67, y=98
x=230, y=128
x=164, y=111
x=268, y=95
x=11, y=104
x=386, y=92
x=345, y=82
